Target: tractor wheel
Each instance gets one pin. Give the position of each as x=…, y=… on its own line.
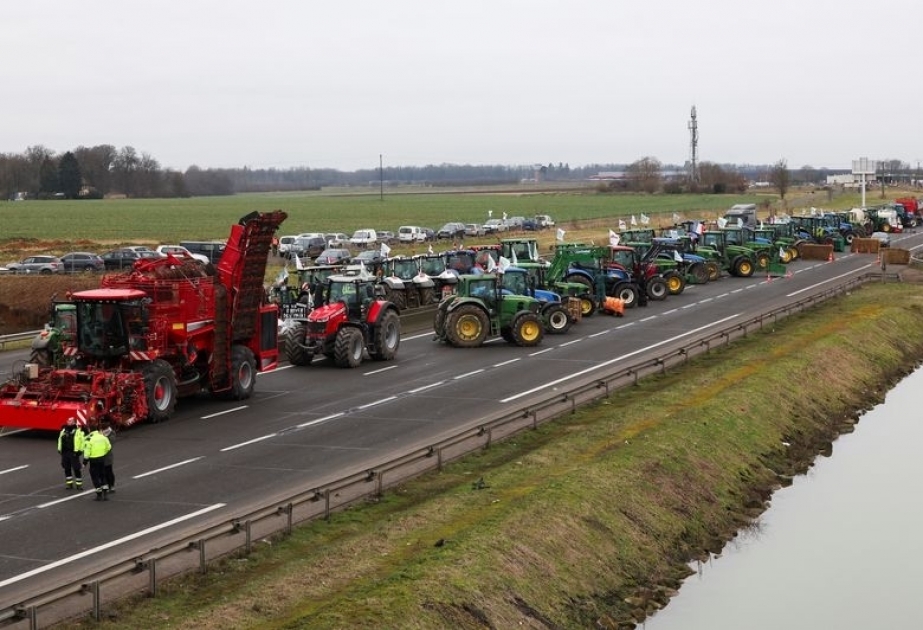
x=627, y=292
x=467, y=326
x=700, y=273
x=527, y=330
x=587, y=306
x=762, y=260
x=159, y=389
x=396, y=297
x=885, y=227
x=657, y=289
x=557, y=319
x=785, y=256
x=387, y=337
x=243, y=373
x=849, y=237
x=714, y=270
x=439, y=323
x=41, y=357
x=427, y=296
x=743, y=267
x=578, y=278
x=347, y=350
x=676, y=284
x=294, y=350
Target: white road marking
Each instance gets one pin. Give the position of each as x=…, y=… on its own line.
x=672, y=310
x=108, y=545
x=64, y=499
x=617, y=359
x=601, y=332
x=248, y=442
x=221, y=413
x=567, y=343
x=535, y=354
x=377, y=402
x=9, y=470
x=426, y=387
x=647, y=319
x=160, y=470
x=467, y=374
x=311, y=423
x=384, y=369
x=502, y=363
x=817, y=284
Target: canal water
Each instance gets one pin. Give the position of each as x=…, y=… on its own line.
x=839, y=549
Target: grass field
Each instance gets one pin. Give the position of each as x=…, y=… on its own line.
x=171, y=220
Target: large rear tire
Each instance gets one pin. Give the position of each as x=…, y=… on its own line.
x=587, y=306
x=347, y=350
x=159, y=389
x=387, y=337
x=657, y=289
x=743, y=267
x=467, y=326
x=626, y=292
x=699, y=272
x=428, y=296
x=398, y=297
x=714, y=270
x=557, y=320
x=527, y=330
x=295, y=351
x=243, y=373
x=41, y=357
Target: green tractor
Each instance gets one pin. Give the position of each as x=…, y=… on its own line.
x=49, y=346
x=521, y=281
x=480, y=308
x=737, y=260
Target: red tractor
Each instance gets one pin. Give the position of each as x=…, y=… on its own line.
x=168, y=328
x=349, y=318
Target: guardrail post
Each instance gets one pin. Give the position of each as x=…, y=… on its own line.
x=93, y=587
x=203, y=566
x=152, y=577
x=248, y=544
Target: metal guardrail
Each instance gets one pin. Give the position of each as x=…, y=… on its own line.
x=195, y=551
x=13, y=338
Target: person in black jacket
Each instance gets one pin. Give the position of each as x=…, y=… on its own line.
x=70, y=446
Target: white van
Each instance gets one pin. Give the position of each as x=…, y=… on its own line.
x=410, y=234
x=364, y=238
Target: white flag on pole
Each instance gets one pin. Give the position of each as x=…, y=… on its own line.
x=645, y=219
x=491, y=264
x=560, y=234
x=677, y=256
x=781, y=252
x=430, y=250
x=298, y=264
x=622, y=225
x=740, y=222
x=490, y=213
x=504, y=216
x=613, y=239
x=385, y=250
x=722, y=222
x=514, y=260
x=504, y=264
x=634, y=221
x=676, y=217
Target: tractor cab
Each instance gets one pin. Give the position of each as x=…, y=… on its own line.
x=111, y=322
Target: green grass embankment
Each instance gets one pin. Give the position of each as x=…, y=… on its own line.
x=588, y=521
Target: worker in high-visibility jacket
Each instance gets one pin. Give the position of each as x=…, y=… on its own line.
x=70, y=447
x=95, y=448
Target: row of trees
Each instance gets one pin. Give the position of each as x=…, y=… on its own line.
x=93, y=172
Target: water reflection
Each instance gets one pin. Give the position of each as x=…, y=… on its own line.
x=840, y=548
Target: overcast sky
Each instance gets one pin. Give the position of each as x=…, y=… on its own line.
x=321, y=84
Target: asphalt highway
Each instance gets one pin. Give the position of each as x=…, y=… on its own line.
x=308, y=425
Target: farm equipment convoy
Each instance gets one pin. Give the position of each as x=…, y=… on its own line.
x=349, y=318
x=167, y=328
x=405, y=284
x=555, y=315
x=480, y=309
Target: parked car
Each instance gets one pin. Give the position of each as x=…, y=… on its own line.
x=451, y=231
x=530, y=225
x=308, y=246
x=180, y=252
x=544, y=221
x=333, y=256
x=369, y=258
x=386, y=237
x=493, y=226
x=884, y=238
x=77, y=262
x=411, y=234
x=474, y=229
x=336, y=239
x=515, y=223
x=45, y=265
x=428, y=234
x=364, y=238
x=285, y=245
x=211, y=249
x=125, y=257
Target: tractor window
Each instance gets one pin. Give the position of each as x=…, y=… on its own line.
x=483, y=289
x=405, y=269
x=343, y=292
x=101, y=330
x=433, y=266
x=515, y=283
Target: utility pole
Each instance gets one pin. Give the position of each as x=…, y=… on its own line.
x=694, y=148
x=381, y=179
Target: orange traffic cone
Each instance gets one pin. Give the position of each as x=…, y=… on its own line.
x=830, y=257
x=788, y=274
x=768, y=277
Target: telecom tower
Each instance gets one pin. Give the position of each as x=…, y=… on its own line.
x=694, y=147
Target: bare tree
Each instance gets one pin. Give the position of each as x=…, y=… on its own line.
x=646, y=174
x=780, y=177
